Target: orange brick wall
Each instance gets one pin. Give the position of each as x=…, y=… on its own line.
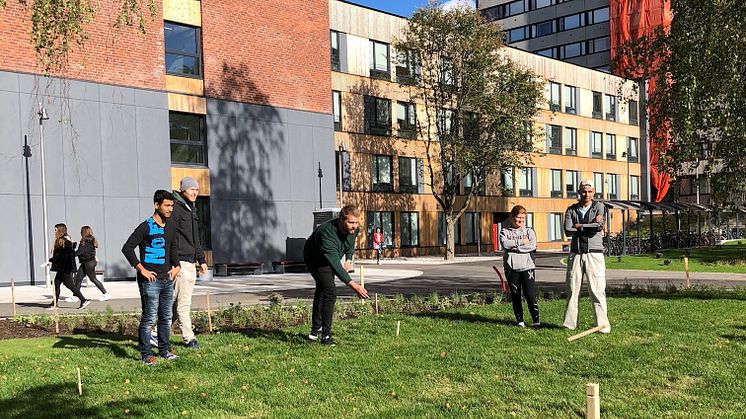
x=268, y=52
x=123, y=57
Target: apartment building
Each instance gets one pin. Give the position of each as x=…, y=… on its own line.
x=590, y=134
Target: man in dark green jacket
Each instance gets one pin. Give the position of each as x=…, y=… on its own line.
x=323, y=253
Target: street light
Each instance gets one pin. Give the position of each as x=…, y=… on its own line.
x=27, y=155
x=341, y=150
x=43, y=117
x=625, y=154
x=320, y=175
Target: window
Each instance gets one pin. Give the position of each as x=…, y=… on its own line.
x=405, y=118
x=612, y=186
x=572, y=180
x=384, y=220
x=381, y=174
x=538, y=4
x=337, y=107
x=554, y=139
x=378, y=53
x=377, y=116
x=596, y=146
x=598, y=183
x=507, y=180
x=202, y=207
x=445, y=121
x=556, y=179
x=633, y=112
x=442, y=228
x=409, y=228
x=570, y=22
x=571, y=141
x=446, y=72
x=599, y=45
x=598, y=16
x=518, y=34
x=494, y=13
x=346, y=170
x=183, y=50
x=530, y=219
x=472, y=227
x=405, y=67
x=187, y=133
x=571, y=99
x=336, y=61
x=610, y=147
x=610, y=107
x=549, y=52
x=597, y=105
x=543, y=28
x=516, y=7
x=409, y=176
x=526, y=181
x=572, y=50
x=555, y=226
x=634, y=187
x=632, y=155
x=554, y=96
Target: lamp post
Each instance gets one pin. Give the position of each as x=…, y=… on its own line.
x=320, y=175
x=43, y=117
x=27, y=155
x=341, y=150
x=629, y=197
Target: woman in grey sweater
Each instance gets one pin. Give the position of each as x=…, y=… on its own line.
x=519, y=243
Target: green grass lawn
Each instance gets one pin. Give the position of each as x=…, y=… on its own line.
x=666, y=356
x=730, y=258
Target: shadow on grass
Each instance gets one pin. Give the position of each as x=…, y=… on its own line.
x=274, y=334
x=475, y=318
x=115, y=342
x=63, y=401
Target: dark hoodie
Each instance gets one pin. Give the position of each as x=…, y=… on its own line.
x=187, y=230
x=63, y=258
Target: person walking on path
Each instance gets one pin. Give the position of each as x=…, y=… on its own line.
x=378, y=244
x=86, y=253
x=191, y=255
x=322, y=254
x=519, y=243
x=63, y=263
x=584, y=224
x=156, y=268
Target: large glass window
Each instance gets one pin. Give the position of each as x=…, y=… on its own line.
x=377, y=116
x=572, y=50
x=600, y=44
x=597, y=105
x=408, y=176
x=526, y=181
x=409, y=228
x=187, y=132
x=543, y=28
x=378, y=55
x=445, y=121
x=572, y=180
x=202, y=207
x=598, y=183
x=516, y=7
x=633, y=112
x=571, y=141
x=384, y=220
x=571, y=99
x=337, y=107
x=596, y=145
x=336, y=63
x=570, y=22
x=598, y=16
x=507, y=180
x=549, y=52
x=405, y=117
x=530, y=219
x=632, y=155
x=471, y=227
x=611, y=107
x=518, y=34
x=612, y=182
x=634, y=187
x=381, y=174
x=556, y=183
x=610, y=147
x=405, y=67
x=555, y=226
x=554, y=96
x=554, y=139
x=183, y=50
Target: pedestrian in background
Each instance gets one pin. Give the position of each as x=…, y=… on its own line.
x=86, y=253
x=63, y=264
x=378, y=244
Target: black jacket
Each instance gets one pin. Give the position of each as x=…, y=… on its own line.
x=63, y=258
x=187, y=230
x=86, y=252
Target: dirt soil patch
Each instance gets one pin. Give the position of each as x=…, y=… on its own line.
x=10, y=329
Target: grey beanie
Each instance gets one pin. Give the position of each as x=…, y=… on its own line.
x=188, y=182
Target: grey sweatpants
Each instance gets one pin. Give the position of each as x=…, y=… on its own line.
x=592, y=266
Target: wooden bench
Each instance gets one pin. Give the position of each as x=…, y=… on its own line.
x=291, y=265
x=238, y=268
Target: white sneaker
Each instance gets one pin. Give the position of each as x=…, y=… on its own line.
x=105, y=297
x=71, y=299
x=521, y=324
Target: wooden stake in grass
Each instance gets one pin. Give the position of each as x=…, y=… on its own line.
x=209, y=312
x=56, y=314
x=362, y=276
x=13, y=295
x=80, y=384
x=398, y=326
x=376, y=303
x=586, y=333
x=593, y=404
x=686, y=269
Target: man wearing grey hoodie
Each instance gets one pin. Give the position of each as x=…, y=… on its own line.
x=519, y=243
x=584, y=224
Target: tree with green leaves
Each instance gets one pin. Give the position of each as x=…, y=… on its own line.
x=699, y=69
x=479, y=106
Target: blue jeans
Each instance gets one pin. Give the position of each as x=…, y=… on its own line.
x=157, y=298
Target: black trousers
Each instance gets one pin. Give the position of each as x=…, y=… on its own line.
x=323, y=300
x=88, y=269
x=67, y=279
x=523, y=281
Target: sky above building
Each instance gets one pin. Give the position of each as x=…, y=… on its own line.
x=405, y=7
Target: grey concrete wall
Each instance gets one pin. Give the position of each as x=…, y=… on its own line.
x=106, y=152
x=263, y=177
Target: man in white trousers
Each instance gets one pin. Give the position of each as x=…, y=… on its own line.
x=584, y=224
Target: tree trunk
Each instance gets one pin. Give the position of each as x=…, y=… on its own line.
x=450, y=239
